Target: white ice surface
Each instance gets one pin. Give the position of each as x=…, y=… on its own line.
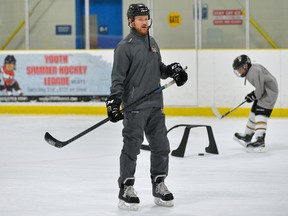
x=37, y=179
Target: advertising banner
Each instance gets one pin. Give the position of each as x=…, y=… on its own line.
x=54, y=76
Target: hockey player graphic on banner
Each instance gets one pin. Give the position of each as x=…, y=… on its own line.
x=8, y=82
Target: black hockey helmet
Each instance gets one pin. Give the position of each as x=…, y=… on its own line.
x=137, y=10
x=240, y=61
x=10, y=59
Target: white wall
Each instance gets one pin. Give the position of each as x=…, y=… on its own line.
x=211, y=77
x=215, y=83
x=185, y=95
x=228, y=89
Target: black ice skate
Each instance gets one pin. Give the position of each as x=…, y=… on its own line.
x=258, y=145
x=243, y=139
x=128, y=199
x=162, y=196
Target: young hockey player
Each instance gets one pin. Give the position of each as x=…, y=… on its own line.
x=8, y=76
x=264, y=97
x=137, y=69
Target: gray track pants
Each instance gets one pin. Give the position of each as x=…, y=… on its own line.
x=150, y=121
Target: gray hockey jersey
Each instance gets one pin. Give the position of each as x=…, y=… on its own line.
x=266, y=87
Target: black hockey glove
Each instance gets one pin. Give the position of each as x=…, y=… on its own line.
x=113, y=109
x=250, y=97
x=177, y=73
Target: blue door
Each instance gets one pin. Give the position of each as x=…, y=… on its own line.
x=105, y=23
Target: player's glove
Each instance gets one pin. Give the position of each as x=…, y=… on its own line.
x=113, y=109
x=177, y=73
x=250, y=97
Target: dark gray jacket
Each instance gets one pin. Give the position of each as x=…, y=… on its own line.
x=137, y=70
x=266, y=87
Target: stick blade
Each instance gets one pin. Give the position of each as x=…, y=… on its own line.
x=216, y=112
x=52, y=141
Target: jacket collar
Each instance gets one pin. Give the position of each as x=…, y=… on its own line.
x=134, y=32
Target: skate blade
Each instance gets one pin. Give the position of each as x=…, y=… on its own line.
x=128, y=206
x=242, y=143
x=255, y=150
x=164, y=203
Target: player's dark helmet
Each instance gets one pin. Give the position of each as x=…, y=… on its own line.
x=244, y=62
x=240, y=61
x=10, y=59
x=137, y=10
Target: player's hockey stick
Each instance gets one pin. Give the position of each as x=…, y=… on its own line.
x=59, y=144
x=218, y=115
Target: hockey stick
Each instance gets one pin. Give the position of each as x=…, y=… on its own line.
x=218, y=115
x=59, y=144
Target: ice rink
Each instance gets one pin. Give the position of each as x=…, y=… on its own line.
x=37, y=179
